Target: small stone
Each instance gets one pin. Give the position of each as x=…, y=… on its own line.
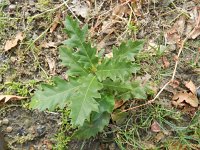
x=21, y=132
x=41, y=130
x=31, y=130
x=12, y=7
x=27, y=123
x=5, y=121
x=31, y=2
x=9, y=129
x=0, y=122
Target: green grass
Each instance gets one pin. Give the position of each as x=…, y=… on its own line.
x=63, y=138
x=136, y=133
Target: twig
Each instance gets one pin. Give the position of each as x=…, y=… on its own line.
x=166, y=84
x=179, y=52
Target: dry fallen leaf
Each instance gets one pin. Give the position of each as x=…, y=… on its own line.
x=159, y=137
x=190, y=85
x=155, y=127
x=174, y=83
x=55, y=22
x=173, y=35
x=52, y=65
x=13, y=42
x=196, y=21
x=109, y=55
x=165, y=62
x=118, y=104
x=189, y=98
x=177, y=145
x=119, y=11
x=6, y=98
x=48, y=45
x=80, y=8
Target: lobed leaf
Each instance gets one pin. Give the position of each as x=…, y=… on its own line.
x=125, y=90
x=77, y=39
x=50, y=97
x=128, y=50
x=71, y=61
x=98, y=120
x=116, y=70
x=91, y=129
x=83, y=102
x=76, y=34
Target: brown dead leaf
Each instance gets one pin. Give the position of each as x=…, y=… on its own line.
x=190, y=85
x=52, y=65
x=159, y=137
x=118, y=104
x=13, y=42
x=6, y=98
x=119, y=11
x=44, y=44
x=189, y=98
x=109, y=55
x=195, y=33
x=107, y=27
x=81, y=8
x=195, y=14
x=165, y=62
x=55, y=22
x=155, y=127
x=174, y=83
x=173, y=35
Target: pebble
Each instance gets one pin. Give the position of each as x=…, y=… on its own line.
x=9, y=129
x=12, y=7
x=5, y=121
x=27, y=123
x=21, y=132
x=31, y=2
x=41, y=130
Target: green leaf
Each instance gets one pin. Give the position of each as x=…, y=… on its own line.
x=77, y=35
x=125, y=90
x=106, y=103
x=98, y=120
x=116, y=70
x=121, y=90
x=83, y=102
x=128, y=50
x=77, y=39
x=50, y=97
x=91, y=129
x=71, y=61
x=87, y=55
x=136, y=91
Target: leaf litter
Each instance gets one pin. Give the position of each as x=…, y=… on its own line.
x=13, y=42
x=188, y=97
x=7, y=98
